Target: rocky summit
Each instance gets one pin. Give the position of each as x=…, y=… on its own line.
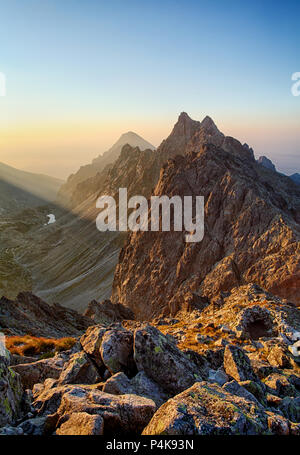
x=174, y=338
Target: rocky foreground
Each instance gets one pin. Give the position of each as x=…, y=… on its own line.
x=227, y=366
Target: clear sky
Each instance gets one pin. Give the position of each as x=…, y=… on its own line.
x=82, y=72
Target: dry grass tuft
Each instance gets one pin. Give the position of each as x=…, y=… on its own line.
x=28, y=345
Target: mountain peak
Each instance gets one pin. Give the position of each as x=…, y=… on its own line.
x=185, y=127
x=208, y=124
x=133, y=139
x=183, y=116
x=129, y=133
x=182, y=132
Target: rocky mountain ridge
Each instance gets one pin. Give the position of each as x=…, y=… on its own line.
x=252, y=229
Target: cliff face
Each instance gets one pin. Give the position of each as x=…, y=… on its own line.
x=252, y=231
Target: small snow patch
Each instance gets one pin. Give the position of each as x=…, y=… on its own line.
x=52, y=219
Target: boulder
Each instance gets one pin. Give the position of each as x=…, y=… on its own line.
x=290, y=408
x=254, y=322
x=118, y=384
x=17, y=359
x=141, y=385
x=208, y=409
x=41, y=387
x=91, y=342
x=47, y=401
x=200, y=361
x=257, y=389
x=273, y=400
x=80, y=424
x=295, y=380
x=215, y=358
x=79, y=370
x=237, y=389
x=278, y=358
x=37, y=372
x=34, y=427
x=144, y=386
x=162, y=361
x=278, y=384
x=261, y=368
x=277, y=424
x=218, y=376
x=11, y=392
x=121, y=414
x=237, y=364
x=117, y=351
x=11, y=431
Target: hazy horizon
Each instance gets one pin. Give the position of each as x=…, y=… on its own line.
x=70, y=156
x=81, y=74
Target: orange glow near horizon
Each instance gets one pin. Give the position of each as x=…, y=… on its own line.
x=59, y=149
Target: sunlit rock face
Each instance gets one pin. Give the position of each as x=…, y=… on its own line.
x=252, y=230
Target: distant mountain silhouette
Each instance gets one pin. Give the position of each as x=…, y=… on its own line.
x=99, y=164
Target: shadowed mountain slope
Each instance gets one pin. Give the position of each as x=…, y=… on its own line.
x=20, y=189
x=72, y=262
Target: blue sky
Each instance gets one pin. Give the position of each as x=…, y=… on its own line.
x=80, y=73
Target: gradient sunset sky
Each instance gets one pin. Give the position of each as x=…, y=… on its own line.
x=82, y=72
